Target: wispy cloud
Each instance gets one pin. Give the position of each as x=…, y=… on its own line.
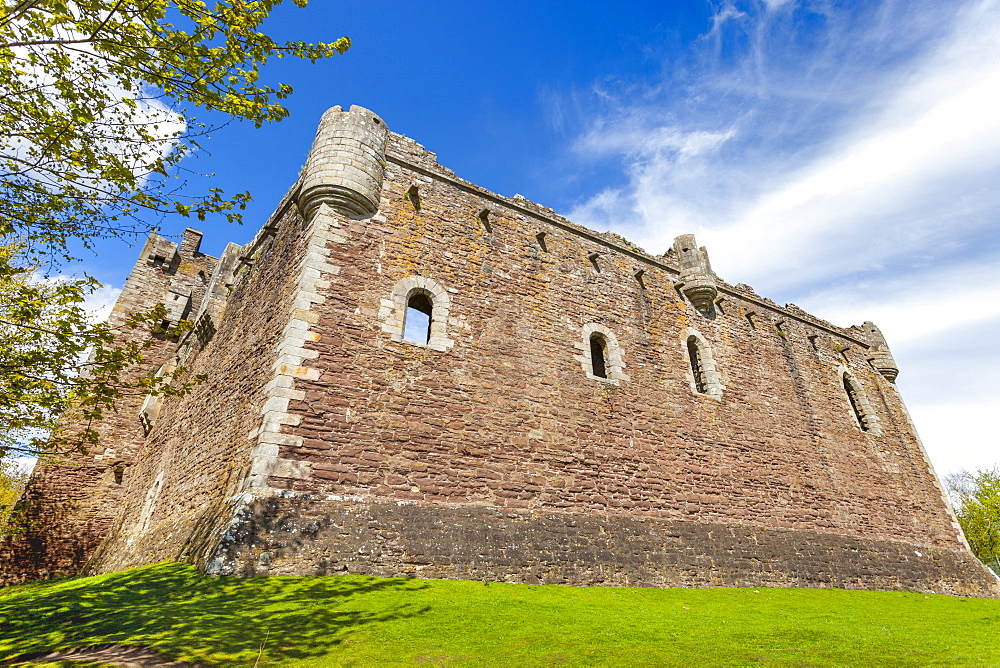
x=101, y=301
x=919, y=306
x=844, y=159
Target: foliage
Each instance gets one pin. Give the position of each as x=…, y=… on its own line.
x=94, y=121
x=366, y=621
x=53, y=359
x=95, y=116
x=976, y=498
x=13, y=476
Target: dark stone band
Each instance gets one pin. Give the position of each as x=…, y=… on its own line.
x=301, y=536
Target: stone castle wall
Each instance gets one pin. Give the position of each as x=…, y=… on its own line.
x=310, y=536
x=507, y=416
x=326, y=441
x=498, y=413
x=73, y=497
x=198, y=452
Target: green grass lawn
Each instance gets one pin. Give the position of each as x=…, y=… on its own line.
x=356, y=620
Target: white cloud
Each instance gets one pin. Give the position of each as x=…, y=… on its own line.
x=727, y=12
x=646, y=143
x=918, y=306
x=134, y=125
x=956, y=436
x=22, y=465
x=98, y=303
x=101, y=301
x=935, y=139
x=849, y=165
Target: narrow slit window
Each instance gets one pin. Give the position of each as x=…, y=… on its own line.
x=696, y=365
x=484, y=219
x=598, y=348
x=852, y=396
x=417, y=326
x=413, y=194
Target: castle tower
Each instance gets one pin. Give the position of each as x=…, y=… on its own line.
x=570, y=408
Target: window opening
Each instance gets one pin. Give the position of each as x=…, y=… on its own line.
x=696, y=366
x=597, y=355
x=158, y=261
x=541, y=241
x=812, y=342
x=749, y=317
x=639, y=273
x=593, y=260
x=119, y=473
x=484, y=218
x=413, y=194
x=417, y=325
x=852, y=396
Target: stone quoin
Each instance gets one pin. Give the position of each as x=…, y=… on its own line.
x=408, y=375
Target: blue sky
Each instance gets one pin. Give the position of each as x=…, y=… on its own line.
x=844, y=157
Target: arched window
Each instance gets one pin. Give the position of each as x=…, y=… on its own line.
x=704, y=379
x=598, y=355
x=861, y=409
x=419, y=315
x=852, y=396
x=697, y=368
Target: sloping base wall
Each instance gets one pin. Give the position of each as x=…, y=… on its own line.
x=301, y=536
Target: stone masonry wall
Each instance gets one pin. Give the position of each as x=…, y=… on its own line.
x=72, y=498
x=507, y=417
x=498, y=410
x=299, y=536
x=198, y=453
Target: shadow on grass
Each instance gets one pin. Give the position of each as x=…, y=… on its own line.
x=174, y=609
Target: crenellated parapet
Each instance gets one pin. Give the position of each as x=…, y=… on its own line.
x=697, y=281
x=346, y=164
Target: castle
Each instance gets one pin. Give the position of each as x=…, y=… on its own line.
x=410, y=375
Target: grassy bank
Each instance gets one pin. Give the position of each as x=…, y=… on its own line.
x=355, y=620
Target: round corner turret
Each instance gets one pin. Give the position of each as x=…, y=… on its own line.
x=697, y=279
x=346, y=164
x=878, y=352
